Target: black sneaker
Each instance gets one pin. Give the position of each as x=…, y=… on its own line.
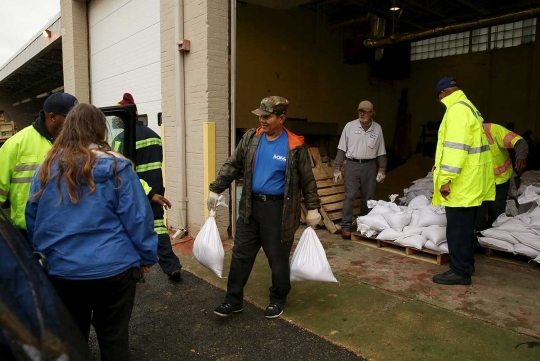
x=226, y=309
x=175, y=276
x=273, y=311
x=450, y=278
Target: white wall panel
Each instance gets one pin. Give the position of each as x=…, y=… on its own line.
x=125, y=54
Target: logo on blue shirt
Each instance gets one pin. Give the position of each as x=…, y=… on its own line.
x=280, y=157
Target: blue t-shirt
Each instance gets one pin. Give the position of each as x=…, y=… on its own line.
x=270, y=164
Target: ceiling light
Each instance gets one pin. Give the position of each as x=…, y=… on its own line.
x=394, y=8
x=46, y=33
x=26, y=100
x=16, y=104
x=42, y=95
x=56, y=90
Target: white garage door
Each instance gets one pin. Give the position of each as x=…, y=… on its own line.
x=125, y=54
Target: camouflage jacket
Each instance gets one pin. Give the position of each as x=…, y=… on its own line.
x=299, y=180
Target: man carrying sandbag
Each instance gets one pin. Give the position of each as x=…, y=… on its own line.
x=276, y=170
x=462, y=177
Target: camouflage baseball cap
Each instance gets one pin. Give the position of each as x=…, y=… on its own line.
x=272, y=105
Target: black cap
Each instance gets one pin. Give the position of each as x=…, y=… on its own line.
x=60, y=103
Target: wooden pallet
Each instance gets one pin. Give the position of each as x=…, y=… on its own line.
x=507, y=257
x=426, y=255
x=330, y=193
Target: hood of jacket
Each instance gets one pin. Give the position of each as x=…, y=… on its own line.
x=39, y=125
x=453, y=98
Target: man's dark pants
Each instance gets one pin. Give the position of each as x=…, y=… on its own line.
x=490, y=210
x=361, y=175
x=168, y=261
x=263, y=229
x=106, y=304
x=460, y=238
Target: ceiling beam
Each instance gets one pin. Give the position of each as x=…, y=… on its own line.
x=427, y=9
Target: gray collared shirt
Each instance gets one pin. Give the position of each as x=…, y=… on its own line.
x=360, y=144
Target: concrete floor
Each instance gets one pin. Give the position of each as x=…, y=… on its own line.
x=386, y=306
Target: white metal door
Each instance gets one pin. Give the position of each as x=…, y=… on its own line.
x=125, y=54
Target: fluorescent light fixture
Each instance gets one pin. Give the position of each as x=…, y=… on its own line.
x=46, y=33
x=59, y=89
x=26, y=100
x=394, y=8
x=42, y=95
x=16, y=104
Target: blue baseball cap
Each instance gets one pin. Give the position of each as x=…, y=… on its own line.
x=60, y=103
x=446, y=83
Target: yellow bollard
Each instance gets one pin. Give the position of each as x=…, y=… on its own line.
x=209, y=159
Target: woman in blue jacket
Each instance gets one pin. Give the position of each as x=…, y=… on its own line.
x=88, y=214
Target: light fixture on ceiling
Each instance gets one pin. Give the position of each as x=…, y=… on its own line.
x=16, y=104
x=56, y=90
x=394, y=8
x=46, y=33
x=42, y=95
x=26, y=100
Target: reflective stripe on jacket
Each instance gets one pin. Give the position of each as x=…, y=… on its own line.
x=20, y=156
x=463, y=156
x=500, y=139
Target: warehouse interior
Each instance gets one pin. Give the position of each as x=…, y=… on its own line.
x=313, y=53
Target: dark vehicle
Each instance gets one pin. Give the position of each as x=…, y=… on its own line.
x=34, y=324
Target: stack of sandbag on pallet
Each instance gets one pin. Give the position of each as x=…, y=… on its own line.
x=526, y=194
x=420, y=187
x=518, y=235
x=417, y=225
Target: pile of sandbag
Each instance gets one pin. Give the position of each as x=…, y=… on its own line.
x=527, y=193
x=419, y=187
x=518, y=235
x=418, y=225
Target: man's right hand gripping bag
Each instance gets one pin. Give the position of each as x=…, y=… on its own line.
x=309, y=261
x=207, y=248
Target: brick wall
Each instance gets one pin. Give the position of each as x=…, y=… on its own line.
x=75, y=49
x=206, y=100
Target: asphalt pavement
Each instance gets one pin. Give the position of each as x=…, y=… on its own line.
x=175, y=321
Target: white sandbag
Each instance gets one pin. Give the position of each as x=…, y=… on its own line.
x=511, y=208
x=309, y=262
x=537, y=259
x=503, y=218
x=419, y=202
x=515, y=226
x=531, y=194
x=207, y=248
x=379, y=209
x=397, y=220
x=389, y=234
x=443, y=247
x=435, y=234
x=432, y=216
x=419, y=186
x=415, y=217
x=531, y=240
x=412, y=231
x=375, y=222
x=499, y=234
x=534, y=212
x=496, y=244
x=534, y=223
x=416, y=241
x=525, y=250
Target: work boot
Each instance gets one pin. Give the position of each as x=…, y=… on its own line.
x=175, y=276
x=345, y=234
x=450, y=278
x=273, y=311
x=226, y=309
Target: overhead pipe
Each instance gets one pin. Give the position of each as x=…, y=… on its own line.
x=451, y=29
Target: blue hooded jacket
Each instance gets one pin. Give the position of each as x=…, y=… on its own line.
x=101, y=236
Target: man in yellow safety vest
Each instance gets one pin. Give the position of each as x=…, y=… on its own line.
x=462, y=177
x=500, y=140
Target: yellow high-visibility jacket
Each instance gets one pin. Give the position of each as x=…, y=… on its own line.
x=463, y=156
x=20, y=156
x=500, y=139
